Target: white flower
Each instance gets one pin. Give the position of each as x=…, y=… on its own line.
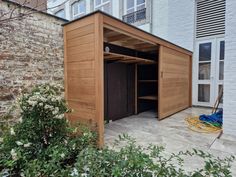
x=40, y=104
x=74, y=172
x=1, y=140
x=58, y=98
x=75, y=130
x=56, y=110
x=86, y=168
x=48, y=107
x=12, y=132
x=27, y=145
x=32, y=103
x=20, y=120
x=22, y=174
x=60, y=116
x=43, y=99
x=62, y=155
x=73, y=146
x=19, y=143
x=5, y=172
x=13, y=154
x=84, y=174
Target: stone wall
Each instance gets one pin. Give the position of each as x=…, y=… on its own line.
x=229, y=105
x=36, y=4
x=31, y=52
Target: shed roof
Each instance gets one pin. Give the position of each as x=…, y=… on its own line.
x=129, y=25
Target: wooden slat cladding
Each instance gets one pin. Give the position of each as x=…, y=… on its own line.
x=122, y=28
x=80, y=75
x=79, y=32
x=81, y=48
x=89, y=38
x=81, y=111
x=84, y=68
x=174, y=81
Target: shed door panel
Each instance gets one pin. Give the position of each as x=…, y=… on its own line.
x=174, y=82
x=119, y=90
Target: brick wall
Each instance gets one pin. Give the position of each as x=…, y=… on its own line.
x=36, y=4
x=230, y=70
x=31, y=51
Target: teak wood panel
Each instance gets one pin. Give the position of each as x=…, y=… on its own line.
x=174, y=81
x=116, y=25
x=84, y=71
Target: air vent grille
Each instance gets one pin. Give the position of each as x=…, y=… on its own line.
x=210, y=18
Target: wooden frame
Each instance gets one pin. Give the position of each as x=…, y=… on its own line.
x=84, y=67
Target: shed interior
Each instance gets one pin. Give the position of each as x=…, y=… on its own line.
x=130, y=75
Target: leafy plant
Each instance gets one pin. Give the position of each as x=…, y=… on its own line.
x=43, y=144
x=132, y=160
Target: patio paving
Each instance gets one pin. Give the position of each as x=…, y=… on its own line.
x=173, y=134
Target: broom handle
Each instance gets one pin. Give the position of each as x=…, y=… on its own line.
x=216, y=105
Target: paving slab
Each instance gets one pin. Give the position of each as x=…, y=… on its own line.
x=172, y=133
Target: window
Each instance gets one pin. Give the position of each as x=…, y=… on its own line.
x=135, y=10
x=134, y=5
x=104, y=5
x=60, y=13
x=78, y=9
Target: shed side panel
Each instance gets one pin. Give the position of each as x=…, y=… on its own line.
x=174, y=81
x=80, y=70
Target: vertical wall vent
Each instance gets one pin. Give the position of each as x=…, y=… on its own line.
x=210, y=18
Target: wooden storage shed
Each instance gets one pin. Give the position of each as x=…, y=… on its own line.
x=113, y=70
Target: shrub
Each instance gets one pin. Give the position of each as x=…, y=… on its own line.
x=43, y=144
x=136, y=161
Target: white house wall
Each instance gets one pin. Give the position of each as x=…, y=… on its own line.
x=229, y=105
x=116, y=9
x=160, y=18
x=173, y=20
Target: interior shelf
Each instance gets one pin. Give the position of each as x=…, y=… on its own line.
x=147, y=81
x=126, y=58
x=149, y=97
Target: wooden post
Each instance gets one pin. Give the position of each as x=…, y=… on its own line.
x=99, y=77
x=136, y=89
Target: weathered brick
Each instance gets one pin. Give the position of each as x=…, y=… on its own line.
x=31, y=52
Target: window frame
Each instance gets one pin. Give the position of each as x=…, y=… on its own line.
x=79, y=14
x=96, y=7
x=59, y=12
x=134, y=7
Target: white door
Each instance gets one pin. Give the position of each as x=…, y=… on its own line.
x=220, y=66
x=208, y=71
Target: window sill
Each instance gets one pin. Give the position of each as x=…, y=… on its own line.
x=140, y=22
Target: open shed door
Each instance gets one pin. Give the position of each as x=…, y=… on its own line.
x=175, y=78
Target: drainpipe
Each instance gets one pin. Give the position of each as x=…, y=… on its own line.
x=151, y=16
